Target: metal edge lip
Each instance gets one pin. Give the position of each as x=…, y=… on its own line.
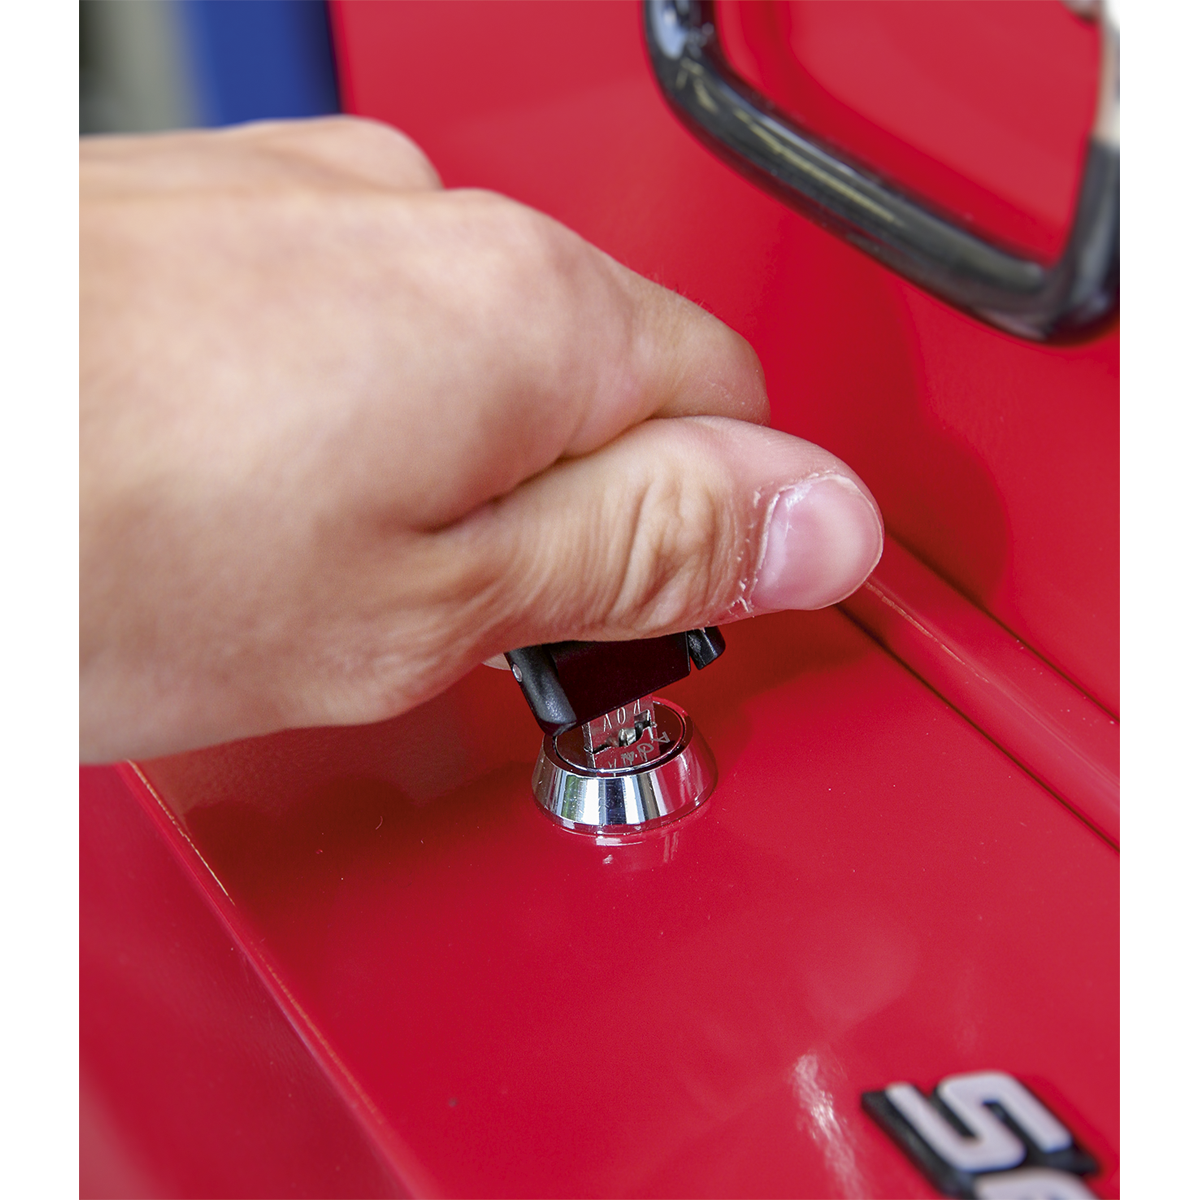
x=611, y=834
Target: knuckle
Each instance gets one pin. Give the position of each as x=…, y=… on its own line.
x=356, y=143
x=538, y=250
x=374, y=140
x=534, y=269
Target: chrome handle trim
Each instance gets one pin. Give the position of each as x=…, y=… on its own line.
x=1068, y=298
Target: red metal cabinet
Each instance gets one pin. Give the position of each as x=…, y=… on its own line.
x=360, y=961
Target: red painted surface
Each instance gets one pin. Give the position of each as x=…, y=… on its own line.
x=995, y=460
x=192, y=1080
x=1054, y=731
x=981, y=107
x=874, y=893
x=365, y=953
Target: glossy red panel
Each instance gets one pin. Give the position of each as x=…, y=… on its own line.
x=982, y=108
x=193, y=1082
x=1056, y=733
x=874, y=893
x=994, y=459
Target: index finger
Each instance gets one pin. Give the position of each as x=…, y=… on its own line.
x=558, y=349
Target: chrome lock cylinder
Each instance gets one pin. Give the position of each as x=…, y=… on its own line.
x=616, y=758
x=633, y=768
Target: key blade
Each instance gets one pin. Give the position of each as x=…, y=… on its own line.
x=624, y=737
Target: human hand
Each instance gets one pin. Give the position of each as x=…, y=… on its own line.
x=344, y=434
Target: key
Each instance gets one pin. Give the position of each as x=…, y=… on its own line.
x=623, y=737
x=574, y=683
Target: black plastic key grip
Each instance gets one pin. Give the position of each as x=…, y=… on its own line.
x=568, y=683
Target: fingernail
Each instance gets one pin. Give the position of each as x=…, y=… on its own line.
x=824, y=538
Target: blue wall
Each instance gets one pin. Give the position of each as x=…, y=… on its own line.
x=255, y=59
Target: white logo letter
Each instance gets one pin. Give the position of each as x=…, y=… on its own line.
x=991, y=1146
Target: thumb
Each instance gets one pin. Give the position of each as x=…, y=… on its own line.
x=678, y=523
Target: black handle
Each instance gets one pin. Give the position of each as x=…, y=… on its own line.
x=1067, y=298
x=567, y=683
